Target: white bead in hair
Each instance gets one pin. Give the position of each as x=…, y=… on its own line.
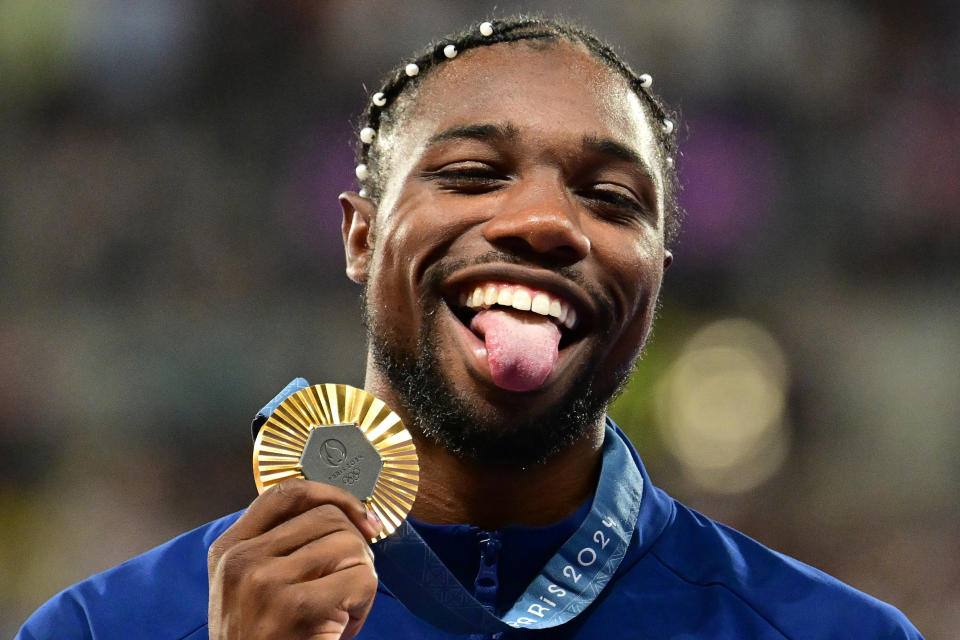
x=450, y=51
x=379, y=99
x=367, y=134
x=362, y=172
x=667, y=126
x=669, y=161
x=411, y=69
x=645, y=80
x=486, y=29
x=363, y=193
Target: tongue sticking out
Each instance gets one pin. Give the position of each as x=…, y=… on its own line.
x=521, y=347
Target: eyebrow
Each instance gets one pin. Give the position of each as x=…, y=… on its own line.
x=488, y=132
x=497, y=133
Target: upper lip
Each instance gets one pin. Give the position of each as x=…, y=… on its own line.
x=532, y=277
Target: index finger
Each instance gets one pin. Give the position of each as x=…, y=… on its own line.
x=290, y=498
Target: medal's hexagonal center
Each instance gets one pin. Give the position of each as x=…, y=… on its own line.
x=340, y=455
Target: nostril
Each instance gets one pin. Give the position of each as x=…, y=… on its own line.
x=552, y=237
x=565, y=254
x=563, y=243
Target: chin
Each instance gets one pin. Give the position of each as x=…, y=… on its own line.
x=478, y=421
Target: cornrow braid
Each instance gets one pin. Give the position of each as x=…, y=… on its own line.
x=387, y=105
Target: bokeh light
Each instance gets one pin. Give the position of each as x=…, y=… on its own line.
x=720, y=407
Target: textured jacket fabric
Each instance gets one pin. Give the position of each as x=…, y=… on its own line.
x=684, y=576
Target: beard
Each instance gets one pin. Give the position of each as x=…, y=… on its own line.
x=446, y=416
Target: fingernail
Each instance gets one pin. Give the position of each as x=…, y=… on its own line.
x=373, y=519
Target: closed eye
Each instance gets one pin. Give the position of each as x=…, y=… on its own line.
x=467, y=177
x=615, y=196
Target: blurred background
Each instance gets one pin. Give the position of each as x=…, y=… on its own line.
x=170, y=258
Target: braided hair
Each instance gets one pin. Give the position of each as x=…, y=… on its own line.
x=389, y=103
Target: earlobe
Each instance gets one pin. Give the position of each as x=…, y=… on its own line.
x=358, y=213
x=667, y=259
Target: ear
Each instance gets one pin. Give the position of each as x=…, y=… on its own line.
x=358, y=214
x=667, y=259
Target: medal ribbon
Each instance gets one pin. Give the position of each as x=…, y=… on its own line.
x=568, y=584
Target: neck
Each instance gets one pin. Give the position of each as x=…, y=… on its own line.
x=454, y=490
x=458, y=491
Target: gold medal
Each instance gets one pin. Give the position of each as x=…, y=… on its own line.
x=345, y=437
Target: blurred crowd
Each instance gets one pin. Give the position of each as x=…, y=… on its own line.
x=171, y=258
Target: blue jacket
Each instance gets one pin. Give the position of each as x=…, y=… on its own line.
x=684, y=576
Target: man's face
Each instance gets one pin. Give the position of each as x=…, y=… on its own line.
x=526, y=169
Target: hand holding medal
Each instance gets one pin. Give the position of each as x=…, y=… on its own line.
x=357, y=449
x=298, y=563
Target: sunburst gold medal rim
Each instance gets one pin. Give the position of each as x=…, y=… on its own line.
x=280, y=443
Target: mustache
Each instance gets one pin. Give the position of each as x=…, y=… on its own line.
x=447, y=267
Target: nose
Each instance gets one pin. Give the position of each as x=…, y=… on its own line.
x=540, y=222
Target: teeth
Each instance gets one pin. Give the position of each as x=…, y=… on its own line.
x=555, y=308
x=541, y=304
x=521, y=300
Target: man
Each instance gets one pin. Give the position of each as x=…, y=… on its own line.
x=511, y=237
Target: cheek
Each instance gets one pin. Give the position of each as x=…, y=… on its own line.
x=389, y=298
x=634, y=267
x=408, y=239
x=398, y=239
x=421, y=231
x=633, y=257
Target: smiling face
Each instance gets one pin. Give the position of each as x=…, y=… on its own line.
x=524, y=178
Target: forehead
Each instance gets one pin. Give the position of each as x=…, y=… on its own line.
x=547, y=91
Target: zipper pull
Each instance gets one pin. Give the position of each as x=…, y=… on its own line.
x=487, y=583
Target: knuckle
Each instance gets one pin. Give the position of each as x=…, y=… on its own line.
x=330, y=515
x=233, y=561
x=298, y=606
x=356, y=547
x=214, y=553
x=260, y=581
x=369, y=582
x=220, y=546
x=348, y=544
x=291, y=491
x=364, y=583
